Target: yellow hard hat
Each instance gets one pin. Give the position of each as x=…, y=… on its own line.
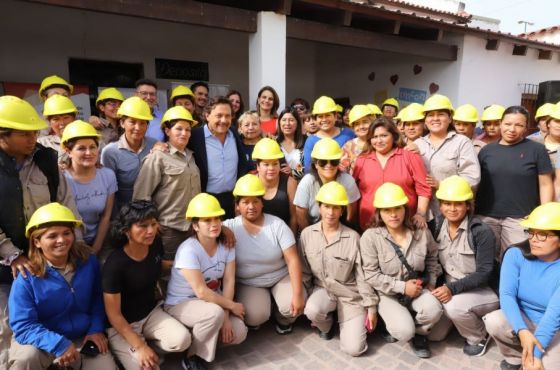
x=204, y=205
x=545, y=110
x=339, y=108
x=136, y=108
x=357, y=112
x=17, y=114
x=374, y=109
x=454, y=189
x=109, y=93
x=249, y=186
x=412, y=112
x=54, y=80
x=332, y=193
x=267, y=148
x=392, y=102
x=78, y=129
x=51, y=213
x=180, y=91
x=493, y=113
x=175, y=113
x=389, y=195
x=58, y=104
x=466, y=113
x=544, y=217
x=326, y=148
x=438, y=102
x=555, y=112
x=323, y=105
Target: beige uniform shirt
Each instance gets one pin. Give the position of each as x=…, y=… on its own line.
x=337, y=267
x=456, y=256
x=382, y=267
x=53, y=142
x=36, y=194
x=455, y=156
x=108, y=133
x=170, y=180
x=478, y=144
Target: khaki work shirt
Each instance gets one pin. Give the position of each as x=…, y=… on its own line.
x=337, y=267
x=478, y=144
x=108, y=133
x=456, y=256
x=384, y=270
x=455, y=156
x=53, y=142
x=170, y=180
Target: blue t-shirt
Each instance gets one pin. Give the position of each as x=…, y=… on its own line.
x=531, y=287
x=345, y=135
x=191, y=255
x=91, y=198
x=154, y=126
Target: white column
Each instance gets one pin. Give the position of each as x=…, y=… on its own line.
x=267, y=56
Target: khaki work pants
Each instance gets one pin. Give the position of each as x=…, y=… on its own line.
x=353, y=335
x=507, y=231
x=158, y=328
x=171, y=239
x=500, y=329
x=28, y=357
x=401, y=323
x=205, y=320
x=258, y=304
x=465, y=311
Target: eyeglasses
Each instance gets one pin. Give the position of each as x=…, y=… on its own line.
x=146, y=93
x=324, y=162
x=541, y=237
x=299, y=107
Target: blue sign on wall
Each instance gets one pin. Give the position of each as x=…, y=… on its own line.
x=412, y=95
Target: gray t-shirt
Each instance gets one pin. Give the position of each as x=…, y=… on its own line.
x=259, y=258
x=308, y=188
x=192, y=255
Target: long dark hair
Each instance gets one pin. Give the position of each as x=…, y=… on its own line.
x=241, y=104
x=298, y=135
x=275, y=104
x=377, y=221
x=131, y=213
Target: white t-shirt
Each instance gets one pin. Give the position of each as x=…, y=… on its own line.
x=192, y=255
x=308, y=188
x=259, y=257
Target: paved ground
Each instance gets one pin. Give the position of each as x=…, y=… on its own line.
x=303, y=349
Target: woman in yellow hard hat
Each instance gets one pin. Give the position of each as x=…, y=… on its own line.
x=390, y=108
x=400, y=263
x=491, y=118
x=59, y=111
x=201, y=290
x=130, y=277
x=267, y=261
x=250, y=132
x=324, y=112
x=445, y=153
x=291, y=139
x=267, y=107
x=360, y=119
x=542, y=115
x=108, y=103
x=59, y=308
x=464, y=121
x=551, y=139
x=467, y=250
x=280, y=189
x=412, y=118
x=526, y=326
x=324, y=168
x=384, y=159
x=93, y=188
x=331, y=253
x=171, y=179
x=125, y=156
x=237, y=105
x=54, y=85
x=184, y=97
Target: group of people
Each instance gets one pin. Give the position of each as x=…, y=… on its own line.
x=139, y=233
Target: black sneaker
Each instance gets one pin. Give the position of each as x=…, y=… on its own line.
x=253, y=328
x=504, y=365
x=387, y=337
x=478, y=349
x=283, y=329
x=420, y=346
x=193, y=363
x=328, y=335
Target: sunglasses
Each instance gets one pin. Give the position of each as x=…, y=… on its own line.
x=324, y=162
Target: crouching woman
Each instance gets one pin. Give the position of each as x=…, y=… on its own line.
x=54, y=312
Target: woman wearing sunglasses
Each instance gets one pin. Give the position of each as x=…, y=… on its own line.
x=325, y=156
x=527, y=327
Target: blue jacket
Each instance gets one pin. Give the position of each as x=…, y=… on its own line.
x=48, y=313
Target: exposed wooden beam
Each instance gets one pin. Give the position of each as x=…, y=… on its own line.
x=347, y=18
x=492, y=44
x=545, y=54
x=439, y=36
x=345, y=36
x=180, y=11
x=397, y=27
x=284, y=7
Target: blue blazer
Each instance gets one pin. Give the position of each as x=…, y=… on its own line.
x=197, y=144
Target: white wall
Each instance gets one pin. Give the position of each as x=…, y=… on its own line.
x=39, y=39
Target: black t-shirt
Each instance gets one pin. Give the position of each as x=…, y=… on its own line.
x=134, y=280
x=509, y=185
